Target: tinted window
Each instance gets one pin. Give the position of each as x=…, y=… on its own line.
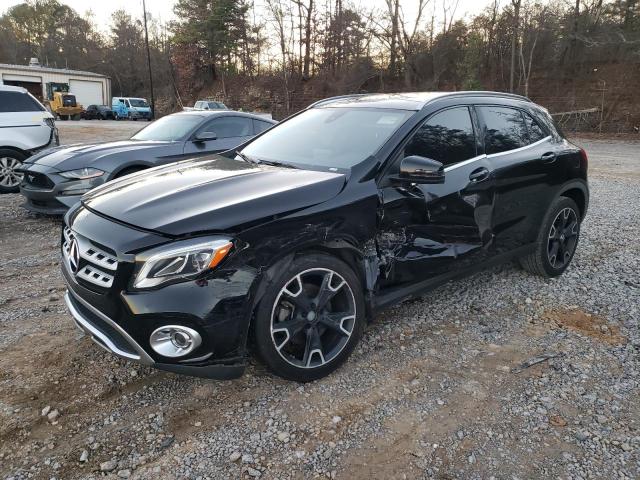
x=536, y=132
x=259, y=126
x=446, y=137
x=229, y=127
x=18, y=102
x=505, y=129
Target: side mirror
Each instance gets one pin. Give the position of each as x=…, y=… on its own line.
x=205, y=136
x=417, y=169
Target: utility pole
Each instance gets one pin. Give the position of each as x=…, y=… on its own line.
x=146, y=43
x=603, y=89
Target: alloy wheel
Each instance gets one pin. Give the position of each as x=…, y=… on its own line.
x=8, y=176
x=313, y=317
x=563, y=238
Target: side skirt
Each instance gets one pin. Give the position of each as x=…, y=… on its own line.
x=397, y=295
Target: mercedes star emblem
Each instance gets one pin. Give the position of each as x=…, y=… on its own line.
x=74, y=256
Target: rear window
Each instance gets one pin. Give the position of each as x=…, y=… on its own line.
x=259, y=126
x=19, y=102
x=536, y=133
x=505, y=129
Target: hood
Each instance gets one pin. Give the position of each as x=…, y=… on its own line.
x=70, y=157
x=210, y=194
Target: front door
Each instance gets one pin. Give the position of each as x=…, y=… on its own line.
x=426, y=231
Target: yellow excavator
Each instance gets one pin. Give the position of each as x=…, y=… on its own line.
x=62, y=103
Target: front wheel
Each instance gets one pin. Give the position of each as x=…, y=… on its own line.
x=310, y=318
x=10, y=180
x=557, y=240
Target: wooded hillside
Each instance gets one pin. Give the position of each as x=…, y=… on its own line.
x=280, y=55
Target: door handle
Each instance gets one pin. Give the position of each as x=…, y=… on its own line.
x=479, y=174
x=548, y=157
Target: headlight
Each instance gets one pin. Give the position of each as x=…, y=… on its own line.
x=82, y=173
x=184, y=262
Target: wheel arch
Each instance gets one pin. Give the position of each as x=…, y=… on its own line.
x=17, y=150
x=579, y=193
x=129, y=166
x=342, y=249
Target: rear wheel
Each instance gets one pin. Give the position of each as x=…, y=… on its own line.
x=10, y=180
x=557, y=240
x=310, y=318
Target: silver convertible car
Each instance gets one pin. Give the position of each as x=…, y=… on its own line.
x=55, y=179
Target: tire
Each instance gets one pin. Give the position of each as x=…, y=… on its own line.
x=9, y=179
x=557, y=238
x=296, y=339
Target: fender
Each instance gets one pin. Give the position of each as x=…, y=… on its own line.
x=576, y=184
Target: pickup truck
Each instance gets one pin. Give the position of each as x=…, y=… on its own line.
x=207, y=105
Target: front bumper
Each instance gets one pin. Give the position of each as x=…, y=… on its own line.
x=137, y=114
x=121, y=319
x=114, y=339
x=50, y=194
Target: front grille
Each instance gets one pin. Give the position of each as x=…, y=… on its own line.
x=87, y=261
x=38, y=180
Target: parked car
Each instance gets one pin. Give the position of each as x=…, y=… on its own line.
x=98, y=112
x=129, y=108
x=209, y=105
x=56, y=179
x=26, y=127
x=297, y=239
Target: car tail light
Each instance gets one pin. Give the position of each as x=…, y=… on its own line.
x=585, y=159
x=49, y=121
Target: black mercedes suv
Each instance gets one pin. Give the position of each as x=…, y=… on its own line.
x=288, y=245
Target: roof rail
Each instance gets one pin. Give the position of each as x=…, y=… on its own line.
x=487, y=93
x=339, y=97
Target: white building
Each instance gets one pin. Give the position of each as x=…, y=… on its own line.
x=89, y=88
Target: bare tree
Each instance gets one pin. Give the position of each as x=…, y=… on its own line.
x=514, y=40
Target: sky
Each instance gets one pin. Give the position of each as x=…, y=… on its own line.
x=163, y=9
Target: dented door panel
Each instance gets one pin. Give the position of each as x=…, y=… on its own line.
x=429, y=230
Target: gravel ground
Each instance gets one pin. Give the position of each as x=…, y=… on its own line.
x=501, y=375
x=97, y=130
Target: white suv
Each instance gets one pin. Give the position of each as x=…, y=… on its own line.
x=26, y=127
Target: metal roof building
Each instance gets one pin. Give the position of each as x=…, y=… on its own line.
x=89, y=88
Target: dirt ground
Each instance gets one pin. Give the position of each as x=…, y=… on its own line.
x=501, y=375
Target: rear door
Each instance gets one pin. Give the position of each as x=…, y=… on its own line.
x=22, y=122
x=522, y=155
x=230, y=132
x=427, y=231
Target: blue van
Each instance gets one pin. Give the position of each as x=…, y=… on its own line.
x=130, y=108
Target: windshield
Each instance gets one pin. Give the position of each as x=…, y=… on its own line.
x=168, y=129
x=138, y=102
x=330, y=137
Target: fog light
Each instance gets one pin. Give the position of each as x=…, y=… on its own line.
x=174, y=340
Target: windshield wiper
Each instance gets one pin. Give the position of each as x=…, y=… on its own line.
x=256, y=161
x=275, y=163
x=246, y=158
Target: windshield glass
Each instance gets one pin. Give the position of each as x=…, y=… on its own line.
x=138, y=102
x=168, y=129
x=331, y=137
